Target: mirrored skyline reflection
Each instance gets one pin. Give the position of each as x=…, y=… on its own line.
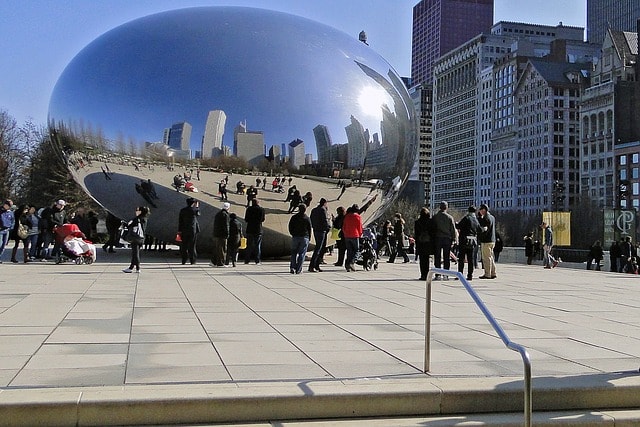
x=281, y=74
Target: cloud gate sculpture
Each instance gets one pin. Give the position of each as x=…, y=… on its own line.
x=165, y=95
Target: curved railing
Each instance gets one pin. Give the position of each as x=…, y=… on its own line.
x=496, y=327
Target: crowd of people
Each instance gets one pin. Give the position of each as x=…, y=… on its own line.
x=34, y=228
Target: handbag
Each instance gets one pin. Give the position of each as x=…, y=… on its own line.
x=335, y=233
x=243, y=243
x=22, y=231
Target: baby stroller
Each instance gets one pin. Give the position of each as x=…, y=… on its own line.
x=367, y=257
x=73, y=245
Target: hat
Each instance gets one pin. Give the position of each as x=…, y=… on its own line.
x=323, y=201
x=190, y=201
x=61, y=202
x=226, y=206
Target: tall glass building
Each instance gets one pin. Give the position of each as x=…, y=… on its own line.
x=619, y=15
x=442, y=25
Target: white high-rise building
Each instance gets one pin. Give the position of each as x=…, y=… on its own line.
x=213, y=133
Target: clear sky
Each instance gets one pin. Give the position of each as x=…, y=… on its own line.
x=38, y=38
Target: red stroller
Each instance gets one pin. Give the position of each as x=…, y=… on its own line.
x=74, y=245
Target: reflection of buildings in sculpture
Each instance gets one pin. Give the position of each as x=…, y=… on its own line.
x=296, y=153
x=213, y=133
x=179, y=137
x=357, y=140
x=248, y=144
x=406, y=141
x=275, y=155
x=323, y=144
x=308, y=159
x=179, y=154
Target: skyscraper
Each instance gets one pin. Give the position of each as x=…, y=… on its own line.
x=180, y=136
x=441, y=25
x=296, y=153
x=213, y=132
x=619, y=15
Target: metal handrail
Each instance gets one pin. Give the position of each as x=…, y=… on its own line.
x=496, y=327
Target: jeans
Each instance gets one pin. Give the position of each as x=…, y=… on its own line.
x=299, y=247
x=318, y=251
x=466, y=252
x=353, y=246
x=443, y=253
x=4, y=239
x=253, y=250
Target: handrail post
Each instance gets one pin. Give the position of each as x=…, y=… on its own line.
x=526, y=360
x=427, y=325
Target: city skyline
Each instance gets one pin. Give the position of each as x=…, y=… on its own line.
x=38, y=59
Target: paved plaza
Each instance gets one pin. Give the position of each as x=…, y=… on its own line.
x=91, y=327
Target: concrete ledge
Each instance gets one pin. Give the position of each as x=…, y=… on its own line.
x=261, y=402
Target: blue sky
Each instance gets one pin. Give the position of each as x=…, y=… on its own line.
x=38, y=38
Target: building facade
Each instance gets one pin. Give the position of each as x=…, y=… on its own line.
x=619, y=15
x=296, y=153
x=213, y=134
x=442, y=25
x=180, y=136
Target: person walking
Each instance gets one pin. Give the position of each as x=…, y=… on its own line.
x=614, y=256
x=34, y=233
x=626, y=253
x=468, y=231
x=113, y=225
x=595, y=254
x=445, y=234
x=398, y=232
x=233, y=242
x=424, y=234
x=528, y=247
x=487, y=242
x=340, y=243
x=300, y=231
x=21, y=219
x=320, y=223
x=220, y=236
x=254, y=217
x=189, y=227
x=352, y=232
x=548, y=260
x=140, y=221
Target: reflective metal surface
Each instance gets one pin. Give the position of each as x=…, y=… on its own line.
x=285, y=77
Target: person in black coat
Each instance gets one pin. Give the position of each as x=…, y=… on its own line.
x=595, y=254
x=220, y=236
x=254, y=217
x=139, y=221
x=614, y=255
x=468, y=231
x=424, y=235
x=189, y=227
x=233, y=242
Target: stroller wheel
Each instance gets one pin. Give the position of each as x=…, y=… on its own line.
x=89, y=260
x=78, y=261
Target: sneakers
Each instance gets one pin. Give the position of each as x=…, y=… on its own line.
x=555, y=264
x=127, y=270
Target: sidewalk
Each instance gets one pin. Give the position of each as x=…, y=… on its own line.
x=65, y=326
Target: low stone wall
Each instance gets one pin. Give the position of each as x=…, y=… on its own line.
x=515, y=255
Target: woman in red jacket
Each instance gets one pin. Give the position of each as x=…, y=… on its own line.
x=352, y=231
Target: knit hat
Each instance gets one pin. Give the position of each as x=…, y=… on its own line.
x=226, y=206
